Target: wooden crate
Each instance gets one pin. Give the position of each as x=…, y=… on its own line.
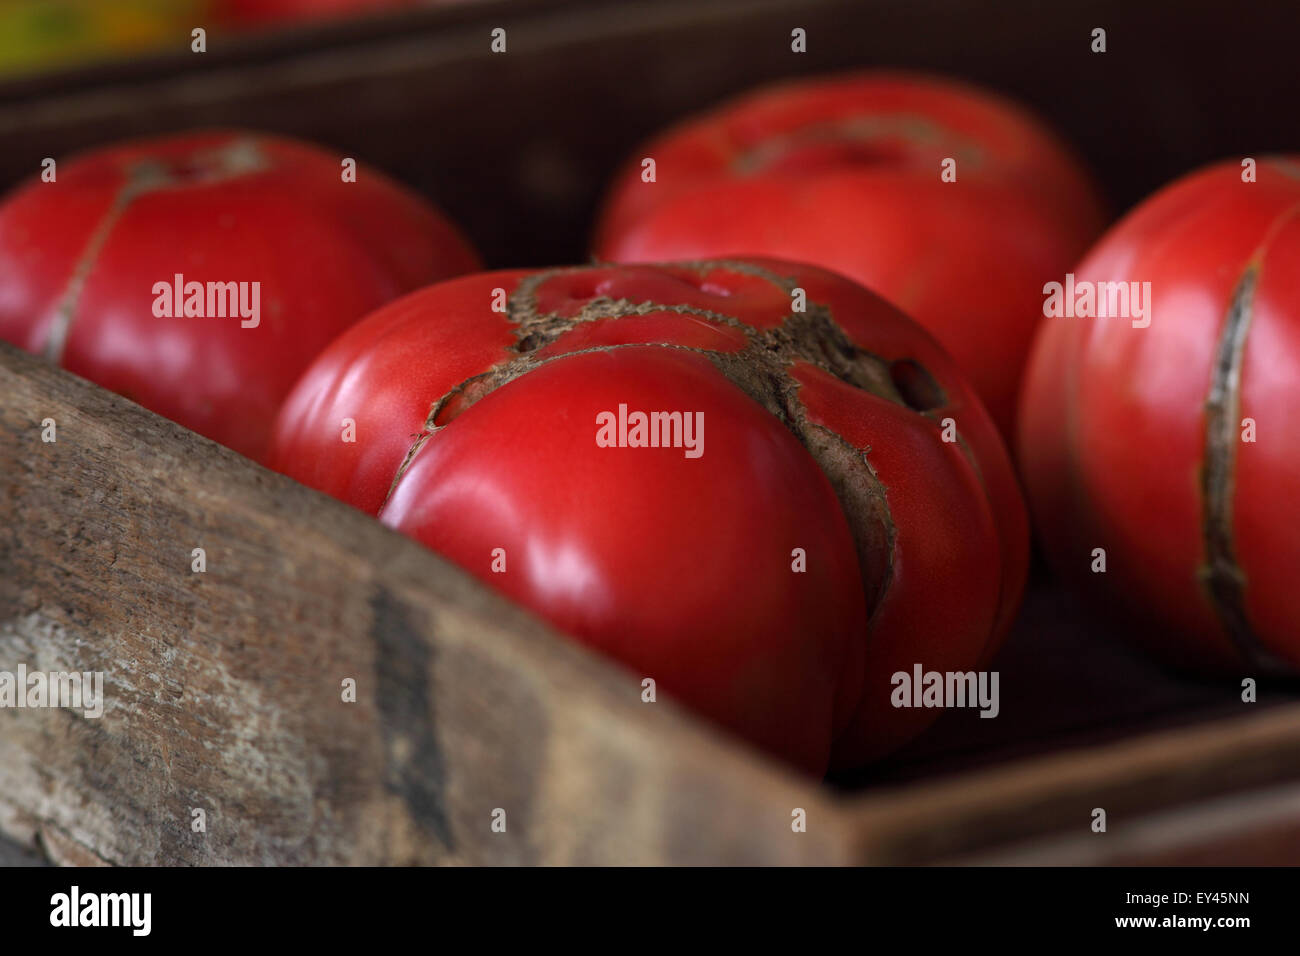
x=225, y=687
x=224, y=692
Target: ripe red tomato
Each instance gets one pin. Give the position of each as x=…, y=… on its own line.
x=285, y=255
x=1173, y=446
x=845, y=173
x=801, y=532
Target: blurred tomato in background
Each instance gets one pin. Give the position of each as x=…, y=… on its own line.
x=256, y=13
x=845, y=172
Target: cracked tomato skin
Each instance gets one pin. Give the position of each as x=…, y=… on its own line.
x=83, y=253
x=1120, y=427
x=844, y=172
x=476, y=434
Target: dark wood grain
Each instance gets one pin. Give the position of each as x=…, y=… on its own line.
x=1251, y=829
x=15, y=854
x=1042, y=806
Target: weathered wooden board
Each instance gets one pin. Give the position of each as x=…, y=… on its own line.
x=1260, y=828
x=14, y=854
x=1041, y=809
x=224, y=688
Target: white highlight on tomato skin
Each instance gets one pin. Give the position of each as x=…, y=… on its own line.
x=563, y=572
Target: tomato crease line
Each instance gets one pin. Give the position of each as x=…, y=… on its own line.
x=1223, y=576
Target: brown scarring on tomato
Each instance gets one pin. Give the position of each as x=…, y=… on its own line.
x=478, y=433
x=1169, y=442
x=83, y=259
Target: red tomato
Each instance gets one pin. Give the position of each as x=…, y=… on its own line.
x=1173, y=446
x=824, y=536
x=846, y=173
x=256, y=13
x=267, y=228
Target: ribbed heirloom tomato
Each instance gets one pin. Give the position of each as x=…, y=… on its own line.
x=847, y=173
x=199, y=274
x=750, y=502
x=1171, y=441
